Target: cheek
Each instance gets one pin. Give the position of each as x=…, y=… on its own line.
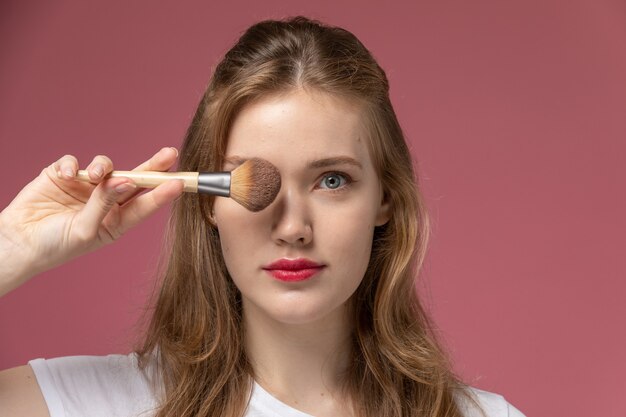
x=237, y=232
x=348, y=238
x=232, y=218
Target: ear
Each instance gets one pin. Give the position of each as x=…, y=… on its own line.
x=384, y=211
x=211, y=219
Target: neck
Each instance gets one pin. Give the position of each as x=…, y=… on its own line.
x=300, y=364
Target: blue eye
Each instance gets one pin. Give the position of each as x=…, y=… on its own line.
x=333, y=181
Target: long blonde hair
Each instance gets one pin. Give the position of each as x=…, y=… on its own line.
x=196, y=333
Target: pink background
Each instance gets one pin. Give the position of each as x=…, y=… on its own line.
x=515, y=111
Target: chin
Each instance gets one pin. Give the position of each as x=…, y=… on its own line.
x=300, y=312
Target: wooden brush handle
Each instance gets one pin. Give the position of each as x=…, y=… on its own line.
x=150, y=179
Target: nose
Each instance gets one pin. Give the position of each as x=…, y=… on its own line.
x=291, y=224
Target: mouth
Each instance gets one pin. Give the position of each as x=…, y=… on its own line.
x=292, y=270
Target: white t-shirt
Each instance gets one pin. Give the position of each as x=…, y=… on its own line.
x=114, y=386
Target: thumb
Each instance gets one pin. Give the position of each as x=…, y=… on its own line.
x=102, y=199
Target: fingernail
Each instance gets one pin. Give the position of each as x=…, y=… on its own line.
x=98, y=170
x=175, y=150
x=69, y=172
x=127, y=186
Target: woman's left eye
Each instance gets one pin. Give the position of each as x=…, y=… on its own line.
x=333, y=181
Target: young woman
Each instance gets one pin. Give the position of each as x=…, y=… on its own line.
x=235, y=330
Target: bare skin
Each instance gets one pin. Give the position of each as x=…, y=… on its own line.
x=55, y=219
x=331, y=199
x=20, y=394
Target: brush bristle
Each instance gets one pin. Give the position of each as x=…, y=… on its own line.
x=255, y=184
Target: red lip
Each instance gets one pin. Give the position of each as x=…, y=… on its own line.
x=291, y=270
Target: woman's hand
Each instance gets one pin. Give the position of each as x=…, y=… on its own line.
x=56, y=218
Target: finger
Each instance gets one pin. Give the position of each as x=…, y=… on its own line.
x=98, y=168
x=163, y=160
x=160, y=161
x=64, y=168
x=146, y=204
x=104, y=196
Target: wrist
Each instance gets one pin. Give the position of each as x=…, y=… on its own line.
x=14, y=268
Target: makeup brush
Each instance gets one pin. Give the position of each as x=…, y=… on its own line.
x=253, y=184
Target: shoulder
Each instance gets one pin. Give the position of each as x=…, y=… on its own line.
x=95, y=385
x=492, y=404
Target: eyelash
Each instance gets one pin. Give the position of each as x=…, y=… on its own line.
x=341, y=188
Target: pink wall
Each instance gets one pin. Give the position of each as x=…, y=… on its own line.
x=515, y=111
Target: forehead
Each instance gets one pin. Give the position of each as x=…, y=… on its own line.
x=299, y=125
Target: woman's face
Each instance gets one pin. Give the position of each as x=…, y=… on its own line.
x=300, y=259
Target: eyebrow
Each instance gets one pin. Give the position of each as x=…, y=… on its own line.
x=315, y=164
x=336, y=160
x=235, y=160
